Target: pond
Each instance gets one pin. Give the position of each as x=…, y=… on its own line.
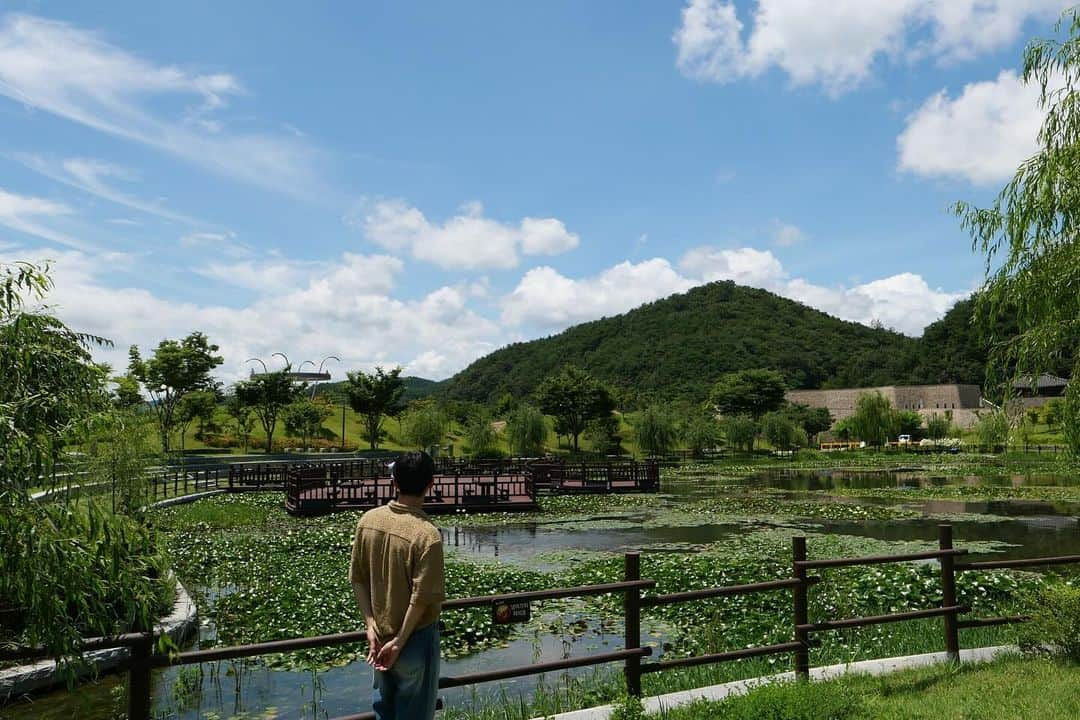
x=696, y=512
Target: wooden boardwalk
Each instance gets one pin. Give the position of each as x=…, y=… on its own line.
x=449, y=494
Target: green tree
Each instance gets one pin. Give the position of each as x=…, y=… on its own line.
x=1029, y=233
x=992, y=429
x=909, y=422
x=1070, y=416
x=267, y=394
x=701, y=432
x=68, y=572
x=937, y=427
x=373, y=397
x=574, y=398
x=115, y=447
x=304, y=418
x=603, y=434
x=740, y=431
x=526, y=431
x=200, y=406
x=425, y=426
x=874, y=421
x=812, y=420
x=1051, y=412
x=177, y=368
x=480, y=436
x=749, y=392
x=127, y=394
x=656, y=431
x=781, y=432
x=243, y=418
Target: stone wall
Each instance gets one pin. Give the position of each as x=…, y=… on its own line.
x=962, y=400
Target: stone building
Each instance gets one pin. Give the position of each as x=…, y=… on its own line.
x=960, y=400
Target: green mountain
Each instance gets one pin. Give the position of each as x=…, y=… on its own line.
x=677, y=347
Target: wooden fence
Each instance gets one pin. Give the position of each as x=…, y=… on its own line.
x=144, y=659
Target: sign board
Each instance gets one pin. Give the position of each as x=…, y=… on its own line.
x=505, y=613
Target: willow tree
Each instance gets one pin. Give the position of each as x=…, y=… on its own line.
x=1029, y=235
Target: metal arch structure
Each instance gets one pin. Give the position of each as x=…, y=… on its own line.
x=316, y=377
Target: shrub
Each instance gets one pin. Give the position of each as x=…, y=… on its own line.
x=1055, y=620
x=656, y=434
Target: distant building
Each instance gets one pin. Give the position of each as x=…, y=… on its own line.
x=1037, y=391
x=961, y=401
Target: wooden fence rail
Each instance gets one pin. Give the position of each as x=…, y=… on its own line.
x=144, y=658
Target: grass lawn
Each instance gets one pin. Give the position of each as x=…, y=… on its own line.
x=1012, y=687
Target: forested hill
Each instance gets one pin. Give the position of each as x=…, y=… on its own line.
x=677, y=347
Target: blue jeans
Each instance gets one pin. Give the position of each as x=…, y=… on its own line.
x=407, y=690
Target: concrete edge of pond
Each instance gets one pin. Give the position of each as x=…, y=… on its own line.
x=883, y=666
x=44, y=675
x=185, y=499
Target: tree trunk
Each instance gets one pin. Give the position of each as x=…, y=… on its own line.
x=575, y=442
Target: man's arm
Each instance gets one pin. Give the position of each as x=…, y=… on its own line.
x=359, y=581
x=363, y=599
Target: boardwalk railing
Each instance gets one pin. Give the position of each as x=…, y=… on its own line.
x=144, y=659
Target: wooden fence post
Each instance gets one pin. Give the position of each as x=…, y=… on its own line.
x=632, y=625
x=801, y=608
x=139, y=679
x=948, y=593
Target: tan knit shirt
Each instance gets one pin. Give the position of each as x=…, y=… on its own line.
x=398, y=555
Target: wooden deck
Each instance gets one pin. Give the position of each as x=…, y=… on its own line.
x=449, y=494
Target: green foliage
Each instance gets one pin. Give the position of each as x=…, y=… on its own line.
x=811, y=420
x=1055, y=620
x=628, y=707
x=115, y=447
x=304, y=418
x=937, y=426
x=127, y=394
x=242, y=416
x=198, y=405
x=656, y=431
x=176, y=368
x=740, y=431
x=1070, y=415
x=1029, y=234
x=781, y=432
x=574, y=398
x=992, y=429
x=425, y=426
x=675, y=348
x=749, y=392
x=526, y=431
x=374, y=396
x=874, y=421
x=66, y=570
x=909, y=422
x=267, y=394
x=480, y=436
x=603, y=434
x=701, y=432
x=1052, y=412
x=845, y=428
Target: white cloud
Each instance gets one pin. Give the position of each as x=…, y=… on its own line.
x=836, y=44
x=786, y=234
x=22, y=213
x=982, y=135
x=346, y=309
x=224, y=243
x=745, y=266
x=546, y=299
x=73, y=73
x=97, y=178
x=465, y=241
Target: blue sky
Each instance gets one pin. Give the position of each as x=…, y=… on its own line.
x=420, y=183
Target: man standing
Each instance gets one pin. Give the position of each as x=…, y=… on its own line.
x=397, y=576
